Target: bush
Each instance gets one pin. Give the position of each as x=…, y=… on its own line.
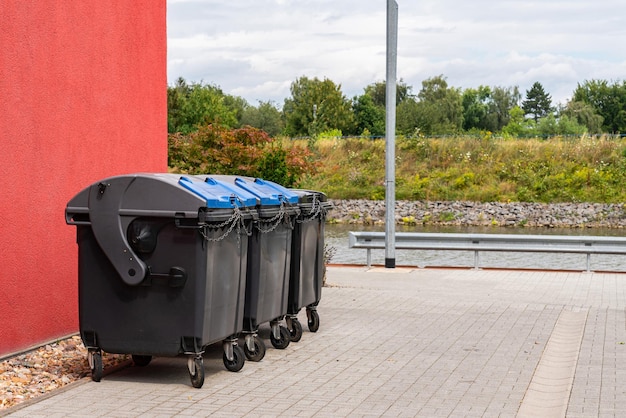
x=246, y=151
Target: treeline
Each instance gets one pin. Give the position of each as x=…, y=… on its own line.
x=317, y=106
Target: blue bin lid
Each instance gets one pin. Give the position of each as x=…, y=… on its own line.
x=269, y=192
x=288, y=195
x=216, y=194
x=246, y=198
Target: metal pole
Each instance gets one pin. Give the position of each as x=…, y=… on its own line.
x=390, y=134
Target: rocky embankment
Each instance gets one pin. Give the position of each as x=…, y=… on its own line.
x=554, y=215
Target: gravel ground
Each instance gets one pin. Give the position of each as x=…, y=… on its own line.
x=40, y=371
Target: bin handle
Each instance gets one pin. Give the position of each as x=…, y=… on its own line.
x=109, y=229
x=175, y=277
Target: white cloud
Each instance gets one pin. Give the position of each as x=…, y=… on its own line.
x=256, y=49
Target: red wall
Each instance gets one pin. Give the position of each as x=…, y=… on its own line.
x=82, y=97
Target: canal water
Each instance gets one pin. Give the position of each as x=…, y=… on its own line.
x=336, y=239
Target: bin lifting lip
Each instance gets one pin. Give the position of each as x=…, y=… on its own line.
x=104, y=200
x=214, y=193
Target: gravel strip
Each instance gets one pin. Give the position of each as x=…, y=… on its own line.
x=511, y=214
x=40, y=371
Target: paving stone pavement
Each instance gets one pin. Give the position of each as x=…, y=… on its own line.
x=400, y=343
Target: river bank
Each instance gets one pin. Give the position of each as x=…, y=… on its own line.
x=461, y=213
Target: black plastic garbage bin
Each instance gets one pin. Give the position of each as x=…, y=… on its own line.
x=269, y=257
x=162, y=268
x=307, y=267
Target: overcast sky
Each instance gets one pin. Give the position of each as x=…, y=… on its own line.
x=255, y=49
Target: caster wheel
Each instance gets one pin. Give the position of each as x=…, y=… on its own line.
x=197, y=376
x=314, y=321
x=95, y=362
x=141, y=361
x=284, y=340
x=238, y=360
x=295, y=334
x=259, y=350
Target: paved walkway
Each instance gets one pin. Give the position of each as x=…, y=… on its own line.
x=420, y=342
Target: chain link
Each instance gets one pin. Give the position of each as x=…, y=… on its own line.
x=315, y=211
x=236, y=219
x=275, y=221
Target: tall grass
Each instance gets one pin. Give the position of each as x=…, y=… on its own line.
x=580, y=169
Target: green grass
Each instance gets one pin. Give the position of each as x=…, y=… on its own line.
x=581, y=169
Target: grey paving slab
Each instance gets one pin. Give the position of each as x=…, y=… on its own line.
x=413, y=343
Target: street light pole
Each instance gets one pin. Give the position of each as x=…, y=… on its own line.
x=390, y=134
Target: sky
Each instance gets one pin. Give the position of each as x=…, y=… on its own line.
x=256, y=49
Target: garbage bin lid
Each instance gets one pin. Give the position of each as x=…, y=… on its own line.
x=249, y=199
x=216, y=194
x=288, y=195
x=308, y=196
x=269, y=192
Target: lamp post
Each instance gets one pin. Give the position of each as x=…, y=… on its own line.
x=390, y=134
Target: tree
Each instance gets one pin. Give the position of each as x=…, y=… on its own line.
x=476, y=108
x=517, y=126
x=237, y=105
x=440, y=107
x=538, y=103
x=608, y=101
x=368, y=116
x=316, y=106
x=584, y=114
x=266, y=117
x=563, y=125
x=192, y=105
x=378, y=92
x=370, y=108
x=503, y=99
x=545, y=127
x=176, y=97
x=409, y=119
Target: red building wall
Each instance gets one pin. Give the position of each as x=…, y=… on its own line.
x=82, y=97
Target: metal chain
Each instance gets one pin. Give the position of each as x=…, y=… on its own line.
x=236, y=219
x=276, y=220
x=315, y=211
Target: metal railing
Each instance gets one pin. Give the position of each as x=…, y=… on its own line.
x=491, y=242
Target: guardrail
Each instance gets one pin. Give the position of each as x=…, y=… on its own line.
x=491, y=242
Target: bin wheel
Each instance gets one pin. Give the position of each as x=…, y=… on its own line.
x=284, y=340
x=259, y=350
x=96, y=365
x=140, y=360
x=295, y=334
x=197, y=377
x=314, y=321
x=238, y=360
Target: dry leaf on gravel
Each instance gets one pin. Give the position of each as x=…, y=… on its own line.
x=37, y=372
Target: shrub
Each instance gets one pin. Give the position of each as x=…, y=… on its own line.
x=246, y=151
